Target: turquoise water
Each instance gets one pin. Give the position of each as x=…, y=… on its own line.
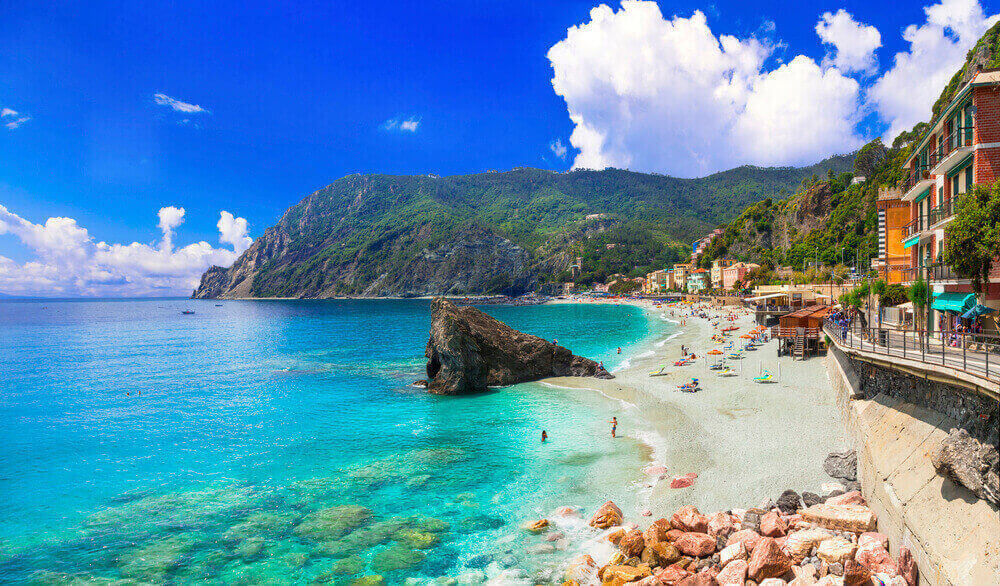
x=269, y=442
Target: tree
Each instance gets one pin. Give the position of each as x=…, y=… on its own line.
x=870, y=158
x=920, y=294
x=973, y=237
x=623, y=287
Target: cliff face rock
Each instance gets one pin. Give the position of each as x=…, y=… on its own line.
x=971, y=463
x=469, y=351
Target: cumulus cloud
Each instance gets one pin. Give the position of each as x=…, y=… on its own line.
x=410, y=124
x=558, y=148
x=655, y=94
x=176, y=105
x=904, y=95
x=233, y=230
x=12, y=119
x=854, y=43
x=68, y=262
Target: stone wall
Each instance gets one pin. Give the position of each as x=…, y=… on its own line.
x=976, y=413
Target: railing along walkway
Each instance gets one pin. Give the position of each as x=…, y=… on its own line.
x=977, y=354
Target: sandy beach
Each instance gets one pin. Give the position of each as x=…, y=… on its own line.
x=747, y=441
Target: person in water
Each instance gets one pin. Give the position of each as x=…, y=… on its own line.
x=614, y=426
x=619, y=349
x=545, y=436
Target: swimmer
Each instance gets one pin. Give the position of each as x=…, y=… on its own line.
x=545, y=436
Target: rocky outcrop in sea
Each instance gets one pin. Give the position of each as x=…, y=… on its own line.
x=470, y=351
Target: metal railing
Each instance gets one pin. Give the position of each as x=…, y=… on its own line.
x=913, y=177
x=977, y=354
x=938, y=271
x=960, y=136
x=945, y=210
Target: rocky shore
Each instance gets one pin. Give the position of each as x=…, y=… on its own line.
x=805, y=540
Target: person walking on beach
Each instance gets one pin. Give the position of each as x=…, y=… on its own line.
x=614, y=426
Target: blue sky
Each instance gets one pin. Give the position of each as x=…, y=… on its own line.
x=261, y=104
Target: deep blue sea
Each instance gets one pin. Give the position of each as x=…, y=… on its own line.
x=283, y=441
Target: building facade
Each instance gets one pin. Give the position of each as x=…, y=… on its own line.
x=960, y=150
x=717, y=266
x=697, y=281
x=680, y=275
x=893, y=262
x=736, y=273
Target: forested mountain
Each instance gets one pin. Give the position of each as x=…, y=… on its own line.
x=378, y=235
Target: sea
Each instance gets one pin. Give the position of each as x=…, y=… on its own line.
x=269, y=442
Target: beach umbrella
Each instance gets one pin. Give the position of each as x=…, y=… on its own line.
x=715, y=352
x=748, y=336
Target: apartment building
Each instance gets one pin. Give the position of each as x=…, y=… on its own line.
x=736, y=273
x=658, y=282
x=681, y=272
x=961, y=149
x=717, y=266
x=893, y=262
x=697, y=281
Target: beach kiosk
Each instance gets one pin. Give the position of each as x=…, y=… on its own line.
x=800, y=331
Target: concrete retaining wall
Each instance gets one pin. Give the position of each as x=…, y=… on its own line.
x=954, y=536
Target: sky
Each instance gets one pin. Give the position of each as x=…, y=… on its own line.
x=141, y=142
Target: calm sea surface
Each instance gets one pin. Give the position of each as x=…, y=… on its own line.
x=270, y=442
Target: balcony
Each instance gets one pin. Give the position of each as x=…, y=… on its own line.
x=934, y=272
x=915, y=183
x=944, y=212
x=918, y=225
x=952, y=150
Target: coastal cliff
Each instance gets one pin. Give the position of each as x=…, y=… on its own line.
x=469, y=351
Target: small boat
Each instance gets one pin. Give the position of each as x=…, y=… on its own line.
x=187, y=312
x=218, y=305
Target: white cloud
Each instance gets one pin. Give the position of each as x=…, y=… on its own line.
x=410, y=124
x=558, y=148
x=68, y=262
x=855, y=43
x=653, y=94
x=904, y=95
x=233, y=231
x=12, y=119
x=176, y=105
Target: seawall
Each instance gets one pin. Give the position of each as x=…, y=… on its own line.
x=954, y=536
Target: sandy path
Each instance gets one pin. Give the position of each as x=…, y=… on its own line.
x=747, y=441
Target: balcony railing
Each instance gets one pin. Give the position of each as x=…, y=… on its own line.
x=977, y=354
x=944, y=211
x=916, y=225
x=959, y=137
x=912, y=178
x=938, y=271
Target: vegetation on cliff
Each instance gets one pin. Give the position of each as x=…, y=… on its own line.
x=489, y=232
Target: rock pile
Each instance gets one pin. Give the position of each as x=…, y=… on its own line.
x=829, y=543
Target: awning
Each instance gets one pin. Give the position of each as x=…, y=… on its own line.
x=954, y=302
x=977, y=311
x=909, y=243
x=771, y=296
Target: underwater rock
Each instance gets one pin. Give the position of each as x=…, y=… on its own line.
x=154, y=561
x=470, y=351
x=333, y=523
x=396, y=557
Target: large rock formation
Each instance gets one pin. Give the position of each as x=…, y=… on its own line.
x=469, y=351
x=971, y=463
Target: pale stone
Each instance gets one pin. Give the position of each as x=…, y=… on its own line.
x=836, y=550
x=853, y=518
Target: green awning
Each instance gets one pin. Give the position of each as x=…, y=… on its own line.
x=954, y=302
x=911, y=241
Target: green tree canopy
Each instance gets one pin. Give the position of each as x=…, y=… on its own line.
x=973, y=237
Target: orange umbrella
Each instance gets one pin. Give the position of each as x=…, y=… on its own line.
x=746, y=336
x=714, y=352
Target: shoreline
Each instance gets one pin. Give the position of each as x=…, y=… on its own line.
x=746, y=441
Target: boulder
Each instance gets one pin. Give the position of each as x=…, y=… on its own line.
x=657, y=532
x=848, y=498
x=836, y=550
x=582, y=569
x=688, y=519
x=842, y=465
x=805, y=575
x=768, y=561
x=971, y=463
x=625, y=573
x=789, y=502
x=721, y=524
x=856, y=574
x=539, y=526
x=469, y=351
x=773, y=582
x=632, y=543
x=751, y=519
x=733, y=574
x=608, y=515
x=660, y=554
x=854, y=518
x=748, y=537
x=702, y=578
x=772, y=525
x=873, y=555
x=810, y=498
x=736, y=551
x=696, y=544
x=800, y=543
x=672, y=575
x=907, y=566
x=682, y=481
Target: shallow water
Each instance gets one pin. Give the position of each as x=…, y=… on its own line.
x=282, y=441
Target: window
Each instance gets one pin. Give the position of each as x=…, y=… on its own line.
x=954, y=186
x=968, y=178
